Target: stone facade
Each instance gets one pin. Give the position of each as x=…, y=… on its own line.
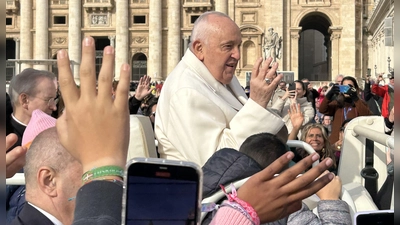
x=319, y=38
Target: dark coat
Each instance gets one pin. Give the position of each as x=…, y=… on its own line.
x=17, y=129
x=225, y=166
x=29, y=215
x=9, y=111
x=106, y=197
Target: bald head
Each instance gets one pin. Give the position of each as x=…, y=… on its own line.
x=46, y=150
x=206, y=24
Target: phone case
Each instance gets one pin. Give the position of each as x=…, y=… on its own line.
x=157, y=161
x=376, y=213
x=344, y=88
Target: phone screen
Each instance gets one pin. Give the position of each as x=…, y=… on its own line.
x=379, y=218
x=344, y=88
x=161, y=194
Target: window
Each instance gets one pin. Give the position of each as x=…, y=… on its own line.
x=193, y=18
x=197, y=0
x=59, y=2
x=139, y=1
x=139, y=19
x=60, y=20
x=9, y=21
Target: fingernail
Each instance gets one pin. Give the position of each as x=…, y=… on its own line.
x=315, y=157
x=331, y=176
x=61, y=54
x=88, y=41
x=290, y=155
x=109, y=50
x=329, y=162
x=125, y=67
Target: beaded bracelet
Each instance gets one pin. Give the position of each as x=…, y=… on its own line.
x=241, y=205
x=102, y=172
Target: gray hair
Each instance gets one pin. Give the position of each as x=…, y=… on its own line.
x=201, y=29
x=46, y=150
x=26, y=82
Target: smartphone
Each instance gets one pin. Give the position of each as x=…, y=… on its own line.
x=160, y=191
x=344, y=88
x=292, y=86
x=378, y=217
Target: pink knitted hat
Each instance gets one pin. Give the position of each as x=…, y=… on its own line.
x=39, y=122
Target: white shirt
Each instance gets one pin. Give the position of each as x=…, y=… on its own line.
x=48, y=215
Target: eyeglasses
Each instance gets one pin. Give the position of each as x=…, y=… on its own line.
x=153, y=114
x=51, y=101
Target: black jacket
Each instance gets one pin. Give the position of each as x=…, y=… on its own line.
x=224, y=167
x=29, y=215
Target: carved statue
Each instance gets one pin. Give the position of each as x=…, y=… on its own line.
x=272, y=45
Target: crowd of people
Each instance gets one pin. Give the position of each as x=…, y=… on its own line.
x=200, y=114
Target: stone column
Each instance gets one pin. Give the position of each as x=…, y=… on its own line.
x=231, y=9
x=121, y=35
x=42, y=32
x=174, y=37
x=112, y=40
x=335, y=56
x=25, y=32
x=155, y=40
x=294, y=51
x=185, y=43
x=17, y=55
x=75, y=35
x=221, y=6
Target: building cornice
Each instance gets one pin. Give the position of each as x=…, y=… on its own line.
x=380, y=12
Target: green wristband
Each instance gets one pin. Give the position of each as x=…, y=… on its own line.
x=103, y=172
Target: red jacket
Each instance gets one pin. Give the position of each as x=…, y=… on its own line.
x=383, y=91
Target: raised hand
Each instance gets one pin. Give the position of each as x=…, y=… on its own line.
x=296, y=115
x=94, y=128
x=15, y=158
x=276, y=197
x=264, y=81
x=143, y=89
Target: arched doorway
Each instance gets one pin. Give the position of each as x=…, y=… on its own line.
x=315, y=48
x=139, y=66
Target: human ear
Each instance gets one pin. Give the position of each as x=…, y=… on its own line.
x=23, y=100
x=198, y=49
x=46, y=180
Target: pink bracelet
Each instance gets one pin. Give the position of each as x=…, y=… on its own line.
x=232, y=197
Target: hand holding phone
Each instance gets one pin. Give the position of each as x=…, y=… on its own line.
x=162, y=192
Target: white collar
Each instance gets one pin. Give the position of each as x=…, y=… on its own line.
x=48, y=215
x=12, y=115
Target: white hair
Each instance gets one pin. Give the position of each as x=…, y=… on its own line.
x=201, y=28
